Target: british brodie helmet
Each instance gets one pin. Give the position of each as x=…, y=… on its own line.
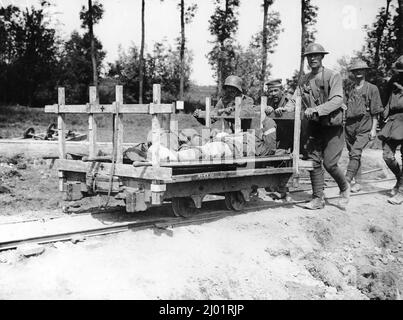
x=314, y=48
x=234, y=81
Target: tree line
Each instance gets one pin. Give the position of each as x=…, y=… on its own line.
x=34, y=60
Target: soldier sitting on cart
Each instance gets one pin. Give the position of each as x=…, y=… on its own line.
x=278, y=102
x=226, y=105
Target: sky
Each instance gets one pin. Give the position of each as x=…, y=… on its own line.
x=340, y=28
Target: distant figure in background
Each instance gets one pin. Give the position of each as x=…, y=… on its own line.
x=226, y=104
x=392, y=133
x=364, y=106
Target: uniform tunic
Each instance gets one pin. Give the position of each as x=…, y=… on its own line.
x=362, y=105
x=392, y=132
x=393, y=129
x=324, y=92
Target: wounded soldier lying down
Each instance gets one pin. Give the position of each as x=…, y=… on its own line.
x=189, y=145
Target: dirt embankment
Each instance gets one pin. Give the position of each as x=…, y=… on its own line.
x=286, y=253
x=283, y=253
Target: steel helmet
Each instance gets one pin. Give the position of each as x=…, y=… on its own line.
x=398, y=65
x=314, y=48
x=234, y=81
x=358, y=65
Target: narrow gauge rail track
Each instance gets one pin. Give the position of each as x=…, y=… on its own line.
x=160, y=224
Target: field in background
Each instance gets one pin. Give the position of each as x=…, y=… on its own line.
x=14, y=120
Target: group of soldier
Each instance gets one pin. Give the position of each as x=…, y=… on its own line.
x=331, y=120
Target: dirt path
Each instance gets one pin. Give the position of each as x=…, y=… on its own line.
x=285, y=253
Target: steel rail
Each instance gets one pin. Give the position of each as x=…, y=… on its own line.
x=162, y=223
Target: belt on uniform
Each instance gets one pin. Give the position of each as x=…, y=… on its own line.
x=356, y=119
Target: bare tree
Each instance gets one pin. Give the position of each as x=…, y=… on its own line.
x=380, y=32
x=266, y=4
x=141, y=62
x=93, y=54
x=223, y=25
x=400, y=27
x=308, y=20
x=186, y=16
x=303, y=32
x=182, y=51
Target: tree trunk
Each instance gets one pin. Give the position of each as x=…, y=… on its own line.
x=266, y=4
x=380, y=35
x=93, y=53
x=400, y=27
x=141, y=71
x=220, y=71
x=182, y=52
x=303, y=35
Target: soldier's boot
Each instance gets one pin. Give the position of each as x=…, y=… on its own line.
x=356, y=187
x=315, y=204
x=397, y=198
x=345, y=197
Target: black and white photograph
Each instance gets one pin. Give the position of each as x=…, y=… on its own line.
x=201, y=154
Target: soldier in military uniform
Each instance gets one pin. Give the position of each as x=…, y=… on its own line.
x=226, y=104
x=392, y=133
x=322, y=102
x=363, y=108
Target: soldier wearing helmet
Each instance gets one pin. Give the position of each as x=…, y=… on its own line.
x=322, y=102
x=226, y=104
x=392, y=133
x=364, y=106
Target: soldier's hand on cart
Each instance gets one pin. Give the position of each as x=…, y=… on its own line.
x=311, y=114
x=279, y=111
x=269, y=110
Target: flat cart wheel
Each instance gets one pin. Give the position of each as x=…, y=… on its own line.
x=183, y=207
x=29, y=133
x=235, y=201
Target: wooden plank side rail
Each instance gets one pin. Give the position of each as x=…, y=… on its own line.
x=230, y=174
x=297, y=135
x=121, y=170
x=111, y=108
